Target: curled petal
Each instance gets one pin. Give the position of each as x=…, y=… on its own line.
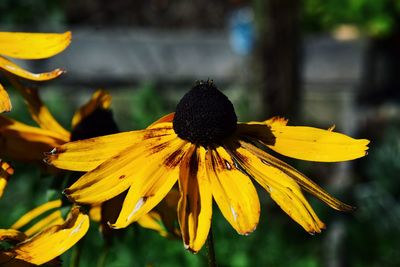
x=195, y=204
x=12, y=235
x=33, y=45
x=54, y=241
x=16, y=70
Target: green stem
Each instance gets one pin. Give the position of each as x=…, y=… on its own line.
x=212, y=262
x=103, y=257
x=76, y=255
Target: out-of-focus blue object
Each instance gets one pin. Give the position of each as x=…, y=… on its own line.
x=241, y=30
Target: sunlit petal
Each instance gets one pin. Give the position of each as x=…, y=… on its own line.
x=33, y=45
x=10, y=67
x=12, y=235
x=54, y=241
x=34, y=213
x=156, y=171
x=86, y=155
x=233, y=191
x=282, y=188
x=307, y=184
x=306, y=143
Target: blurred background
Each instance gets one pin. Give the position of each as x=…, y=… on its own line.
x=316, y=62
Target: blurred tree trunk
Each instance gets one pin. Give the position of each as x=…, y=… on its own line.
x=278, y=51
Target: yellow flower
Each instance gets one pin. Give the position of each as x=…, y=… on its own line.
x=46, y=239
x=5, y=172
x=212, y=157
x=28, y=46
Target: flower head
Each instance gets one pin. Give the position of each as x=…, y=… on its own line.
x=212, y=157
x=28, y=46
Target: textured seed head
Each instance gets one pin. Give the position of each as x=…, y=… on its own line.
x=204, y=116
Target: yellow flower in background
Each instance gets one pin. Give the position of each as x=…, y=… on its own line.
x=28, y=46
x=46, y=239
x=212, y=157
x=5, y=172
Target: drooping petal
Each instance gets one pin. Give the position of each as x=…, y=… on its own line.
x=5, y=103
x=85, y=155
x=233, y=191
x=54, y=241
x=282, y=188
x=39, y=111
x=157, y=170
x=307, y=184
x=100, y=99
x=11, y=67
x=26, y=143
x=5, y=172
x=306, y=143
x=195, y=204
x=34, y=213
x=33, y=45
x=12, y=235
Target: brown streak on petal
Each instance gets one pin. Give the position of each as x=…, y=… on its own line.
x=174, y=159
x=122, y=176
x=159, y=147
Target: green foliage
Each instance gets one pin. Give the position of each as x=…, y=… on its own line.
x=376, y=18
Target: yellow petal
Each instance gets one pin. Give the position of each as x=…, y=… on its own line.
x=307, y=184
x=54, y=241
x=32, y=214
x=233, y=191
x=11, y=234
x=5, y=172
x=157, y=170
x=95, y=213
x=100, y=99
x=167, y=118
x=39, y=111
x=53, y=218
x=18, y=139
x=86, y=155
x=152, y=221
x=16, y=70
x=117, y=173
x=5, y=103
x=33, y=45
x=306, y=143
x=195, y=204
x=282, y=188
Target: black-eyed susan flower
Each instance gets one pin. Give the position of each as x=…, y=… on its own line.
x=211, y=156
x=28, y=46
x=46, y=239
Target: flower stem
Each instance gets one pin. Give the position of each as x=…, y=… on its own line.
x=212, y=262
x=103, y=256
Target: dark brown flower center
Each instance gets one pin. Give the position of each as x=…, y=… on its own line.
x=204, y=116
